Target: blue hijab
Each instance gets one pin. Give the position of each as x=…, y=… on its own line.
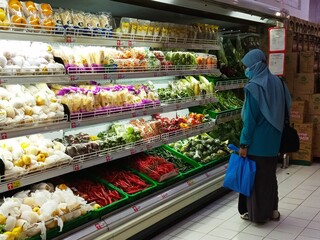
x=266, y=88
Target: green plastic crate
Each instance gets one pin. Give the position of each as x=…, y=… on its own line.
x=110, y=207
x=137, y=195
x=196, y=165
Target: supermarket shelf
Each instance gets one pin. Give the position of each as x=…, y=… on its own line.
x=85, y=161
x=83, y=74
x=228, y=116
x=104, y=38
x=98, y=117
x=230, y=84
x=130, y=221
x=23, y=79
x=24, y=129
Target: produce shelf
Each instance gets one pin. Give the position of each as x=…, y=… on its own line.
x=10, y=182
x=149, y=211
x=24, y=129
x=104, y=37
x=112, y=73
x=102, y=116
x=230, y=84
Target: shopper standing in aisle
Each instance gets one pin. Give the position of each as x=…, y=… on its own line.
x=263, y=120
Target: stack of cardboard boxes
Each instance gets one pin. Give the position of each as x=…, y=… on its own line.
x=301, y=76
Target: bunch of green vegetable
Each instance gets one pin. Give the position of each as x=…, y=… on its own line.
x=178, y=162
x=229, y=131
x=119, y=134
x=202, y=148
x=181, y=58
x=187, y=87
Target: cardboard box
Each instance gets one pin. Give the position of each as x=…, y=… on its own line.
x=304, y=83
x=290, y=46
x=297, y=111
x=305, y=132
x=314, y=104
x=304, y=154
x=303, y=97
x=307, y=62
x=315, y=119
x=291, y=64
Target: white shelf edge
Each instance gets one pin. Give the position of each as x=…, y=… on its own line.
x=21, y=79
x=230, y=84
x=130, y=216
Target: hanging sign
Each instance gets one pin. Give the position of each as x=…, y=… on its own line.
x=276, y=63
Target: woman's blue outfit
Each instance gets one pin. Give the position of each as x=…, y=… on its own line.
x=263, y=119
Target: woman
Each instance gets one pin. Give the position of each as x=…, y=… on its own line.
x=263, y=120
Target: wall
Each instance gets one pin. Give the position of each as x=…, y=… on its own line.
x=314, y=15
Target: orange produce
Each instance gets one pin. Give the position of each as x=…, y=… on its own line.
x=31, y=7
x=15, y=5
x=18, y=21
x=46, y=9
x=35, y=22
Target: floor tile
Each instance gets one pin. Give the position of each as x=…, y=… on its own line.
x=260, y=230
x=305, y=212
x=222, y=232
x=307, y=187
x=281, y=235
x=224, y=215
x=195, y=218
x=317, y=218
x=312, y=201
x=201, y=227
x=292, y=200
x=236, y=226
x=308, y=232
x=211, y=221
x=288, y=206
x=284, y=227
x=172, y=231
x=209, y=237
x=246, y=236
x=296, y=222
x=189, y=235
x=306, y=238
x=314, y=225
x=300, y=194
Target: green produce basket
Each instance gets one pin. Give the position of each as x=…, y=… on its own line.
x=196, y=165
x=110, y=207
x=163, y=183
x=137, y=195
x=67, y=226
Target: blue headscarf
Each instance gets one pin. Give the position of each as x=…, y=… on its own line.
x=266, y=88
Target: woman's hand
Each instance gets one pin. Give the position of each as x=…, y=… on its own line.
x=243, y=152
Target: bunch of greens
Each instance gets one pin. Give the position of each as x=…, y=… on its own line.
x=181, y=58
x=202, y=148
x=119, y=134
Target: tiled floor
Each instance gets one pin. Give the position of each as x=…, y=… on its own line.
x=299, y=205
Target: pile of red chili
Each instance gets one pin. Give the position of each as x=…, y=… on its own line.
x=94, y=192
x=125, y=180
x=153, y=166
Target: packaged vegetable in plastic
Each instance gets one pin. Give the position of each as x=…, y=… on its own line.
x=30, y=9
x=4, y=16
x=142, y=27
x=151, y=27
x=16, y=14
x=57, y=17
x=157, y=29
x=133, y=25
x=95, y=22
x=66, y=17
x=106, y=20
x=77, y=18
x=164, y=30
x=125, y=25
x=48, y=24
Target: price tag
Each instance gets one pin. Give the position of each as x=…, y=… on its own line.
x=136, y=208
x=4, y=136
x=130, y=43
x=10, y=186
x=105, y=76
x=208, y=175
x=76, y=167
x=190, y=182
x=100, y=225
x=156, y=74
x=108, y=158
x=144, y=112
x=118, y=43
x=164, y=74
x=132, y=151
x=165, y=141
x=13, y=185
x=72, y=78
x=3, y=81
x=74, y=124
x=134, y=114
x=69, y=39
x=164, y=195
x=120, y=76
x=178, y=106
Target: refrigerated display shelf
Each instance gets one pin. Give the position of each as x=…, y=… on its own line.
x=103, y=116
x=230, y=84
x=14, y=181
x=228, y=116
x=104, y=38
x=140, y=215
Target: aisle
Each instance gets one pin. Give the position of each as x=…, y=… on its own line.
x=299, y=194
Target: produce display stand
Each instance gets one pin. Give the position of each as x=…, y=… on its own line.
x=129, y=216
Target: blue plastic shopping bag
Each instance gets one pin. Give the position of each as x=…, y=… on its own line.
x=240, y=173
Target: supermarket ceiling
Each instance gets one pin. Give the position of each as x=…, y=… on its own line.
x=155, y=10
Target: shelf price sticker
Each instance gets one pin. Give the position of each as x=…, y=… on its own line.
x=4, y=135
x=75, y=124
x=121, y=76
x=13, y=185
x=119, y=43
x=145, y=112
x=191, y=182
x=100, y=225
x=164, y=195
x=130, y=43
x=69, y=39
x=132, y=151
x=178, y=106
x=3, y=81
x=136, y=208
x=134, y=114
x=76, y=167
x=108, y=158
